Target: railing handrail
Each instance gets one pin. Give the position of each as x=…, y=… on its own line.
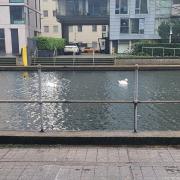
x=159, y=47
x=93, y=101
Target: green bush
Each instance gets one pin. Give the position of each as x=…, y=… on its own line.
x=49, y=43
x=138, y=49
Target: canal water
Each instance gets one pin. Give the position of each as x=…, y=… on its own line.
x=97, y=85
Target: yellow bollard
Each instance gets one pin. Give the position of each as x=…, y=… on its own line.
x=24, y=56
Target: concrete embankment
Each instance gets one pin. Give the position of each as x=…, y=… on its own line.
x=92, y=138
x=92, y=68
x=148, y=61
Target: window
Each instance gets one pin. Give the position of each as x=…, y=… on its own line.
x=70, y=28
x=117, y=7
x=17, y=15
x=94, y=44
x=54, y=13
x=46, y=29
x=141, y=7
x=103, y=28
x=55, y=29
x=80, y=28
x=45, y=13
x=2, y=41
x=137, y=26
x=176, y=1
x=124, y=28
x=94, y=28
x=121, y=7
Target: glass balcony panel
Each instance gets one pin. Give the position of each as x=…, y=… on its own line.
x=83, y=8
x=16, y=1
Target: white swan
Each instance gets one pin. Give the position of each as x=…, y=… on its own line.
x=123, y=82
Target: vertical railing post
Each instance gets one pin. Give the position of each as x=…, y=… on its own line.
x=136, y=87
x=93, y=56
x=40, y=97
x=73, y=57
x=163, y=52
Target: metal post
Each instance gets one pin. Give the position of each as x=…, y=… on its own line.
x=170, y=33
x=73, y=57
x=152, y=52
x=40, y=98
x=163, y=52
x=174, y=52
x=93, y=56
x=136, y=97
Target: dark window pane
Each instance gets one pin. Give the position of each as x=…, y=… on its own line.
x=124, y=26
x=116, y=11
x=17, y=15
x=1, y=33
x=2, y=42
x=80, y=28
x=135, y=26
x=117, y=4
x=144, y=7
x=94, y=28
x=124, y=6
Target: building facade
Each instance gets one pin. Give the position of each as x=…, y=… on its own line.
x=19, y=20
x=50, y=26
x=132, y=20
x=84, y=21
x=89, y=35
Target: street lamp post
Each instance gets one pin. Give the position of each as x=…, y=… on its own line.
x=170, y=34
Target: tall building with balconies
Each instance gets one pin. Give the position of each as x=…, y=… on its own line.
x=84, y=21
x=19, y=20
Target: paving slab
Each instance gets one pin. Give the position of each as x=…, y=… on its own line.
x=47, y=163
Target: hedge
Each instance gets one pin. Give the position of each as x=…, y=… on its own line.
x=137, y=49
x=49, y=43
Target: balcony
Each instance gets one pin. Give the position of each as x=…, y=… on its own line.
x=86, y=12
x=16, y=1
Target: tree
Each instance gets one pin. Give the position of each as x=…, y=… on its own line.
x=164, y=30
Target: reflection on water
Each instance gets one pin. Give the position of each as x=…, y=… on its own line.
x=89, y=86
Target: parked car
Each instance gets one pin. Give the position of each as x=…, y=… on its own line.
x=72, y=48
x=90, y=50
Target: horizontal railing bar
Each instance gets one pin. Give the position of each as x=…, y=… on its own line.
x=159, y=102
x=90, y=102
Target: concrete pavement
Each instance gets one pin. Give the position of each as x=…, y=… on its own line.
x=89, y=163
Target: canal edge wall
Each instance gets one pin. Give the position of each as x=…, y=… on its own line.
x=92, y=68
x=153, y=61
x=91, y=138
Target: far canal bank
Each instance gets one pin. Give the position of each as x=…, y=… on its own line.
x=147, y=61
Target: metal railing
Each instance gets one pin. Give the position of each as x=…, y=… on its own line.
x=164, y=49
x=135, y=101
x=35, y=55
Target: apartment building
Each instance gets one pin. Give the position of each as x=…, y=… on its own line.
x=50, y=26
x=132, y=20
x=84, y=21
x=19, y=20
x=89, y=35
